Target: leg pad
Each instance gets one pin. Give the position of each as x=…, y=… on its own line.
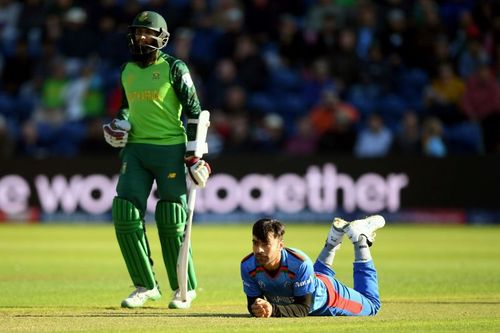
x=133, y=242
x=171, y=221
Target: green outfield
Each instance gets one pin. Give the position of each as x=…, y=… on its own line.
x=71, y=278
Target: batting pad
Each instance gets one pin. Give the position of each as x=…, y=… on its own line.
x=171, y=220
x=133, y=243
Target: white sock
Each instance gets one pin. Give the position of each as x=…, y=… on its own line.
x=362, y=250
x=327, y=254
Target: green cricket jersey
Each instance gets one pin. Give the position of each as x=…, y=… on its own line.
x=154, y=99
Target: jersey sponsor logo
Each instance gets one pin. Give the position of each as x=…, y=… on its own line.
x=171, y=175
x=299, y=284
x=156, y=76
x=123, y=168
x=143, y=95
x=186, y=78
x=282, y=300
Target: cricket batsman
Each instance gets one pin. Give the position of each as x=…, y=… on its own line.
x=157, y=93
x=283, y=282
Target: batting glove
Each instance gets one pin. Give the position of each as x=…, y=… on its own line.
x=116, y=133
x=199, y=170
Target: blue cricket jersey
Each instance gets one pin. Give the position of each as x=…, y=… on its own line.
x=295, y=278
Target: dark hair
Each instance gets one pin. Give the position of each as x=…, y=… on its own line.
x=263, y=228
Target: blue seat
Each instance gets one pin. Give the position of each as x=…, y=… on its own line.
x=261, y=102
x=391, y=107
x=284, y=79
x=363, y=98
x=464, y=138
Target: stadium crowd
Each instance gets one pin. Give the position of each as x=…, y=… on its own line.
x=362, y=78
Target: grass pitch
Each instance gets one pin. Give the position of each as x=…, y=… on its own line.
x=71, y=278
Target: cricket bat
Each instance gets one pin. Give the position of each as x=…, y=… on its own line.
x=201, y=148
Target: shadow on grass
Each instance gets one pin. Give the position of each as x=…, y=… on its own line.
x=135, y=314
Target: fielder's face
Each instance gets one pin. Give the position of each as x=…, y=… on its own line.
x=268, y=253
x=144, y=36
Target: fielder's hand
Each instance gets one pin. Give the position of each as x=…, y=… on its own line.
x=262, y=308
x=116, y=133
x=199, y=170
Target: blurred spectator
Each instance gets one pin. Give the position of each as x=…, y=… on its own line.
x=466, y=29
x=291, y=43
x=204, y=44
x=235, y=101
x=374, y=140
x=344, y=63
x=432, y=138
x=18, y=69
x=268, y=136
x=34, y=14
x=303, y=141
x=407, y=141
x=252, y=70
x=77, y=41
x=219, y=123
x=9, y=16
x=112, y=47
x=472, y=58
x=318, y=81
x=6, y=146
x=318, y=11
x=52, y=131
x=327, y=37
x=231, y=22
x=481, y=103
x=444, y=95
x=397, y=39
x=225, y=76
x=484, y=13
x=260, y=18
x=325, y=114
x=367, y=30
x=239, y=138
x=441, y=54
x=482, y=94
x=428, y=28
x=341, y=137
x=376, y=70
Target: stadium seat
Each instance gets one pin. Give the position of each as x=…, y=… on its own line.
x=464, y=138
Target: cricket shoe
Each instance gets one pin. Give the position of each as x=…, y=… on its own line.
x=178, y=303
x=336, y=232
x=364, y=227
x=140, y=296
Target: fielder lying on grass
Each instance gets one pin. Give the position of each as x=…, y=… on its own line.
x=283, y=282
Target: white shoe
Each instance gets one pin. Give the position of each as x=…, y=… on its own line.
x=178, y=303
x=140, y=296
x=365, y=227
x=336, y=231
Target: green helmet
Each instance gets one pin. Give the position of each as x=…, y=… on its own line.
x=151, y=21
